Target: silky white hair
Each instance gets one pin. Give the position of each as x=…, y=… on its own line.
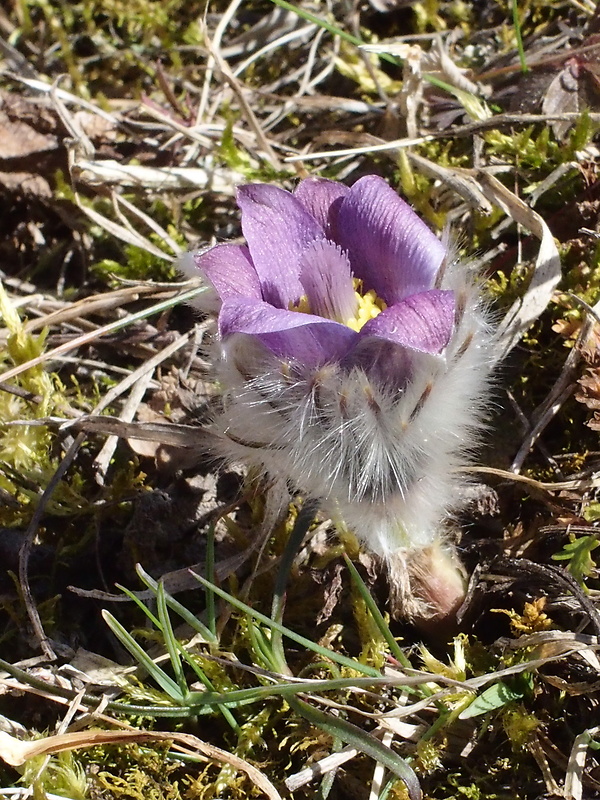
x=383, y=459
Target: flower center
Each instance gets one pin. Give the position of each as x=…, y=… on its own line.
x=368, y=306
x=302, y=306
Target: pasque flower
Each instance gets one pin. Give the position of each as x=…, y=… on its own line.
x=353, y=359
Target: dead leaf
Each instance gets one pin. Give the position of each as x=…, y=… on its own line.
x=562, y=96
x=19, y=139
x=589, y=395
x=332, y=593
x=575, y=87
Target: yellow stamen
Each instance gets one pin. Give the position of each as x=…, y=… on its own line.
x=368, y=306
x=302, y=306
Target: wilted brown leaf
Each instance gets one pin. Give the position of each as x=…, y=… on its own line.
x=589, y=395
x=575, y=87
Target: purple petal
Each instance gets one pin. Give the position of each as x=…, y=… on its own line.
x=386, y=363
x=327, y=281
x=322, y=199
x=422, y=322
x=229, y=268
x=278, y=229
x=309, y=340
x=390, y=248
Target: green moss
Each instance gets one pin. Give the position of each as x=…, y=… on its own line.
x=519, y=726
x=60, y=774
x=137, y=265
x=124, y=34
x=374, y=649
x=130, y=772
x=535, y=149
x=351, y=65
x=430, y=755
x=467, y=791
x=27, y=461
x=428, y=16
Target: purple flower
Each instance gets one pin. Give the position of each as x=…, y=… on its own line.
x=308, y=250
x=353, y=357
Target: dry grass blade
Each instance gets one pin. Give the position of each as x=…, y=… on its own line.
x=563, y=388
x=547, y=272
x=119, y=201
x=108, y=172
x=64, y=96
x=375, y=147
x=573, y=788
x=577, y=484
x=16, y=752
x=105, y=301
x=140, y=380
x=320, y=768
x=102, y=461
x=124, y=233
x=261, y=138
x=86, y=338
x=387, y=737
x=26, y=547
x=461, y=181
x=224, y=21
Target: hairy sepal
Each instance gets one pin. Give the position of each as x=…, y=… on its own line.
x=384, y=460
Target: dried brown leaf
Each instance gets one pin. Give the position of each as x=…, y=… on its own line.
x=562, y=96
x=589, y=393
x=19, y=139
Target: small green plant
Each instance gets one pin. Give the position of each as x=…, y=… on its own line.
x=578, y=555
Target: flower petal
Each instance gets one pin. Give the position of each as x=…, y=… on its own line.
x=327, y=280
x=229, y=268
x=390, y=248
x=278, y=229
x=388, y=365
x=322, y=199
x=311, y=341
x=422, y=322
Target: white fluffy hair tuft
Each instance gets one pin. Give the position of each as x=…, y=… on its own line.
x=383, y=460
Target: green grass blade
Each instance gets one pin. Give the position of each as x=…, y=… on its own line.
x=209, y=569
x=262, y=648
x=315, y=648
x=383, y=627
x=363, y=741
x=111, y=327
x=299, y=531
x=166, y=683
x=303, y=522
x=254, y=694
x=351, y=39
x=199, y=703
x=322, y=23
x=519, y=37
x=185, y=614
x=203, y=677
x=495, y=696
x=140, y=604
x=170, y=640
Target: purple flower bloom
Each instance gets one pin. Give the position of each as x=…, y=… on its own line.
x=311, y=245
x=353, y=356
